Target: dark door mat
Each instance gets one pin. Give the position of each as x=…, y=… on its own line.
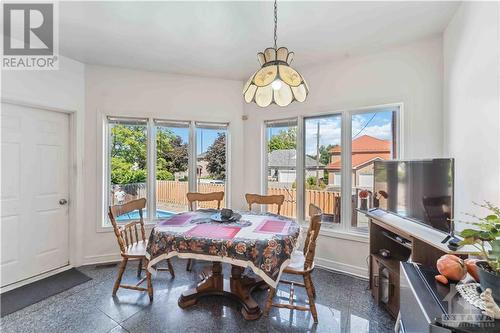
x=32, y=293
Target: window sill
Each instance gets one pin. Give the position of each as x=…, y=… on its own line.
x=347, y=235
x=109, y=228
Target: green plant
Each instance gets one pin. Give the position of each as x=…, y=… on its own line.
x=123, y=172
x=486, y=236
x=164, y=175
x=312, y=183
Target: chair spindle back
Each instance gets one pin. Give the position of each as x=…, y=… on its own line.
x=258, y=199
x=125, y=233
x=193, y=197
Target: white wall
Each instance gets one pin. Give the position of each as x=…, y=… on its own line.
x=121, y=92
x=471, y=49
x=411, y=74
x=62, y=90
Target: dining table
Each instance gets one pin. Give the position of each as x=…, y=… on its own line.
x=262, y=242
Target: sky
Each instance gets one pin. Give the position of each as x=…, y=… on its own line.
x=205, y=137
x=374, y=124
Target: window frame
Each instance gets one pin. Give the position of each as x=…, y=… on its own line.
x=303, y=153
x=346, y=212
x=151, y=122
x=264, y=157
x=194, y=154
x=344, y=227
x=152, y=166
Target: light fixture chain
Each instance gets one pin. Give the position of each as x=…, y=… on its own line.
x=275, y=24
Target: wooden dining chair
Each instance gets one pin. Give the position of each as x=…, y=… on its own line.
x=303, y=265
x=194, y=197
x=258, y=199
x=132, y=241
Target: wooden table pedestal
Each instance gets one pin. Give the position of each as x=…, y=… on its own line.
x=239, y=288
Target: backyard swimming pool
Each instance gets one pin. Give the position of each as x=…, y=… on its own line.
x=160, y=214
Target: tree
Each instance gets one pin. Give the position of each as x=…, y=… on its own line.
x=285, y=139
x=129, y=143
x=129, y=154
x=216, y=157
x=171, y=152
x=123, y=172
x=324, y=154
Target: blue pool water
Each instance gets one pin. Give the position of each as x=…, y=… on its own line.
x=161, y=214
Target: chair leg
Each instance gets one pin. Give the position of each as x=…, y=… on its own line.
x=123, y=265
x=313, y=288
x=170, y=268
x=312, y=305
x=189, y=265
x=150, y=284
x=269, y=301
x=139, y=268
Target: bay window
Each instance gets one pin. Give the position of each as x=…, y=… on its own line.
x=162, y=160
x=337, y=152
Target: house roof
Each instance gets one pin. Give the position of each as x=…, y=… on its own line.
x=364, y=149
x=366, y=144
x=287, y=158
x=359, y=160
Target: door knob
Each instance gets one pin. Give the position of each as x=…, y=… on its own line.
x=63, y=201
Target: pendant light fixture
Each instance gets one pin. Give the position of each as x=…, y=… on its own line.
x=276, y=82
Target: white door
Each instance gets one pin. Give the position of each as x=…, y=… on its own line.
x=34, y=161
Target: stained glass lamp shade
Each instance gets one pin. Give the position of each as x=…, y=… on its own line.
x=276, y=82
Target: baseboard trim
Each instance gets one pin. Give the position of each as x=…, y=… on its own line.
x=35, y=278
x=101, y=259
x=357, y=271
x=331, y=265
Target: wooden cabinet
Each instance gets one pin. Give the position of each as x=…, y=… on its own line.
x=385, y=282
x=406, y=241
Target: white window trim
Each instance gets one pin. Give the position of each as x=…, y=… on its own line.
x=264, y=158
x=194, y=176
x=343, y=229
x=102, y=221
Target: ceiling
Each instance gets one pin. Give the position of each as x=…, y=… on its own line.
x=221, y=39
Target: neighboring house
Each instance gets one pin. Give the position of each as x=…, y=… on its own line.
x=201, y=166
x=365, y=150
x=282, y=164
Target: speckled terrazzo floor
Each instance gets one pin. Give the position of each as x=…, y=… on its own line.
x=344, y=305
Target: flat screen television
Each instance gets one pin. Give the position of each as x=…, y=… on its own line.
x=419, y=190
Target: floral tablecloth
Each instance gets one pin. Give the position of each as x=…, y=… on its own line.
x=262, y=241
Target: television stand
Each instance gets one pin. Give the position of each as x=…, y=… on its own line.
x=406, y=241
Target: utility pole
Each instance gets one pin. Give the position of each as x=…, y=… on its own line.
x=317, y=154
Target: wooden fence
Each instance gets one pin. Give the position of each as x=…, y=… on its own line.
x=328, y=201
x=174, y=193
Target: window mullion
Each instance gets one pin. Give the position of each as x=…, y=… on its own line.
x=300, y=170
x=151, y=162
x=192, y=158
x=346, y=186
